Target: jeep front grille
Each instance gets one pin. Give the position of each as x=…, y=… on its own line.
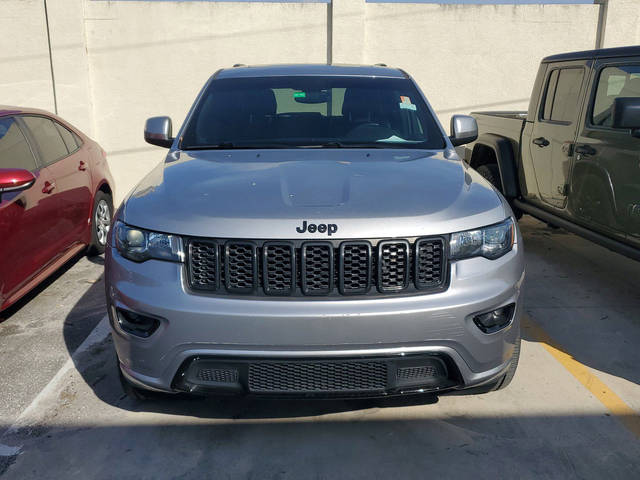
x=317, y=268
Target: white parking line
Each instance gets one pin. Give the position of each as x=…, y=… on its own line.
x=97, y=335
x=9, y=451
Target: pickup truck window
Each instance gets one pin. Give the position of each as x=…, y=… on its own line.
x=561, y=95
x=614, y=82
x=312, y=111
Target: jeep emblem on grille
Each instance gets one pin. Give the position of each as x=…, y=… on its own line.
x=329, y=229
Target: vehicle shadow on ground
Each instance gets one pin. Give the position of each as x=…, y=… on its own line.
x=366, y=446
x=582, y=299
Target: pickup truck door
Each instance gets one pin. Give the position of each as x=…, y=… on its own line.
x=555, y=128
x=605, y=184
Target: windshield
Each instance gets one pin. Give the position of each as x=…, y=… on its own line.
x=312, y=111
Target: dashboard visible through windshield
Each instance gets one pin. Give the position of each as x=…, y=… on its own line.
x=312, y=112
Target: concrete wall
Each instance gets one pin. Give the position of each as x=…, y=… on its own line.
x=116, y=63
x=25, y=71
x=468, y=57
x=623, y=23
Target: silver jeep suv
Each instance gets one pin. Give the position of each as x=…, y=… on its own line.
x=312, y=232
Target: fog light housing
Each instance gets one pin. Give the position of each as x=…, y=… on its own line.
x=136, y=324
x=495, y=320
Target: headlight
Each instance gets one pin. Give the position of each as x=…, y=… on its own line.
x=140, y=245
x=489, y=242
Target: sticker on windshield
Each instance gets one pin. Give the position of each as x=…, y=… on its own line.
x=299, y=94
x=405, y=103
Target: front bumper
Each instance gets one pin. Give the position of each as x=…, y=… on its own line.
x=248, y=331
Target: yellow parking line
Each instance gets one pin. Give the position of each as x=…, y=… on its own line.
x=625, y=414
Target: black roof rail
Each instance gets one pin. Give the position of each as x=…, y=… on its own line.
x=380, y=64
x=236, y=65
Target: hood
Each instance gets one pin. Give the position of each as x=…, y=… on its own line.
x=270, y=193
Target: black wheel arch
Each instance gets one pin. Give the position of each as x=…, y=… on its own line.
x=491, y=148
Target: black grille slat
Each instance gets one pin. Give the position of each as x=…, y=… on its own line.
x=393, y=265
x=317, y=268
x=355, y=268
x=204, y=265
x=241, y=267
x=278, y=268
x=317, y=377
x=429, y=263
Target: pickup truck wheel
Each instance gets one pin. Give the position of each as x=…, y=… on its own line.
x=100, y=222
x=491, y=172
x=507, y=377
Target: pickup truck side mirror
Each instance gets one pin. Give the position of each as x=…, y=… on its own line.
x=464, y=129
x=15, y=179
x=626, y=114
x=157, y=131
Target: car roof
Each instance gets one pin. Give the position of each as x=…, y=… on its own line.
x=12, y=110
x=247, y=71
x=600, y=53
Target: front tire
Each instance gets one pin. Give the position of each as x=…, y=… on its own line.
x=100, y=222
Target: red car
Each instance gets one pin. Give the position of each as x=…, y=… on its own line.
x=56, y=198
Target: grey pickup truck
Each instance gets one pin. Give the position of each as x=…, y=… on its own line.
x=573, y=159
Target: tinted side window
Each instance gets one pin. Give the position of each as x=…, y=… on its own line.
x=67, y=137
x=49, y=141
x=14, y=150
x=563, y=91
x=614, y=82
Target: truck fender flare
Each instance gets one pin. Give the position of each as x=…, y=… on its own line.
x=589, y=168
x=505, y=158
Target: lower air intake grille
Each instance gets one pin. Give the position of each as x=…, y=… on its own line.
x=416, y=373
x=317, y=377
x=218, y=375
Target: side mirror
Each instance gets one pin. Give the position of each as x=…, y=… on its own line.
x=626, y=114
x=464, y=129
x=15, y=179
x=157, y=131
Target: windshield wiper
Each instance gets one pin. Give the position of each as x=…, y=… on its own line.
x=236, y=146
x=212, y=146
x=336, y=144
